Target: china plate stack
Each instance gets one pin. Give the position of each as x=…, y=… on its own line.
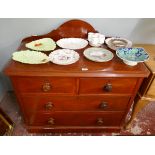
x=64, y=56
x=30, y=57
x=45, y=44
x=72, y=43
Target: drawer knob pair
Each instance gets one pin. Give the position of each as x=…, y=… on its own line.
x=46, y=87
x=107, y=87
x=51, y=121
x=49, y=106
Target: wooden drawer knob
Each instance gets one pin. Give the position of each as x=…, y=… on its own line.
x=51, y=121
x=49, y=106
x=103, y=105
x=46, y=87
x=107, y=87
x=99, y=121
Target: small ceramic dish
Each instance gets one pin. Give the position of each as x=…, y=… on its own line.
x=95, y=39
x=45, y=44
x=72, y=43
x=64, y=57
x=98, y=54
x=30, y=57
x=132, y=56
x=114, y=43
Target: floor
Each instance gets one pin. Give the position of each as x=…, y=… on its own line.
x=143, y=122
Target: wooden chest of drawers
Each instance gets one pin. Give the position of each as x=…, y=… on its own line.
x=57, y=98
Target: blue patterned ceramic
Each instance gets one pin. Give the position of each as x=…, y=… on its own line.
x=131, y=56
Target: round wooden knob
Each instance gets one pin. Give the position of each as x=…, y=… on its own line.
x=49, y=106
x=47, y=87
x=107, y=87
x=51, y=121
x=103, y=105
x=99, y=121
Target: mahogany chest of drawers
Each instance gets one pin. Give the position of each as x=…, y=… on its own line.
x=57, y=98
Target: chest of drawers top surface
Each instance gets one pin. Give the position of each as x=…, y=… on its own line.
x=113, y=68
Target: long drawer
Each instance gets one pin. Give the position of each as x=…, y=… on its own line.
x=107, y=85
x=77, y=119
x=47, y=103
x=45, y=85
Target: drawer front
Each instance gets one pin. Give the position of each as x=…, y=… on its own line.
x=77, y=119
x=45, y=84
x=107, y=85
x=47, y=103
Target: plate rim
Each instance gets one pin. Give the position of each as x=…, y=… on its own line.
x=112, y=55
x=28, y=62
x=72, y=62
x=41, y=50
x=108, y=39
x=133, y=60
x=58, y=41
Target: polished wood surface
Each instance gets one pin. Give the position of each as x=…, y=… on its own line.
x=85, y=96
x=77, y=119
x=98, y=85
x=45, y=85
x=48, y=103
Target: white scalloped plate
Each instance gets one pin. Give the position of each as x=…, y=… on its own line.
x=45, y=44
x=72, y=43
x=64, y=57
x=30, y=57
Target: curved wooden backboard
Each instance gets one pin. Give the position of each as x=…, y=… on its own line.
x=71, y=28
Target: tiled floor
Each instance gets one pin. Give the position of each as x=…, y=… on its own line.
x=142, y=124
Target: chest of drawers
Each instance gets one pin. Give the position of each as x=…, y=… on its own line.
x=57, y=98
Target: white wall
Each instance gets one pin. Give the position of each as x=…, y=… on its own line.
x=13, y=30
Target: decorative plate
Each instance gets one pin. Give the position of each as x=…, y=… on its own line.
x=72, y=43
x=45, y=44
x=30, y=57
x=64, y=56
x=131, y=56
x=114, y=43
x=98, y=54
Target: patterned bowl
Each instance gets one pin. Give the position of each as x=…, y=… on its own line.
x=132, y=56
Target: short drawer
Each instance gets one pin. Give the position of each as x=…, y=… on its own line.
x=77, y=119
x=107, y=85
x=48, y=103
x=44, y=84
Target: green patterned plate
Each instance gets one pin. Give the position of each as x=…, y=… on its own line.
x=98, y=54
x=45, y=44
x=30, y=57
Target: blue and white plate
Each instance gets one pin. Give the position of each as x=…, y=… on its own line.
x=132, y=56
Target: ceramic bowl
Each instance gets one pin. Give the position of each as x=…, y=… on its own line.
x=95, y=39
x=132, y=56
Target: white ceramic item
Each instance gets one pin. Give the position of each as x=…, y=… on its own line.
x=98, y=54
x=64, y=56
x=96, y=39
x=72, y=43
x=114, y=43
